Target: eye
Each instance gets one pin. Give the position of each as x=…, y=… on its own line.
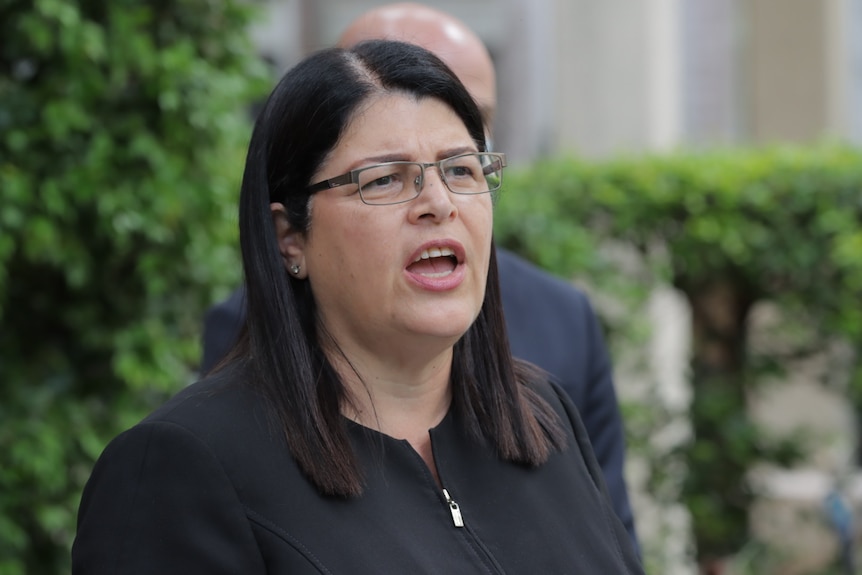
x=464, y=168
x=459, y=171
x=381, y=178
x=382, y=182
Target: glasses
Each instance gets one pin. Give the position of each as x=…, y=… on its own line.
x=399, y=182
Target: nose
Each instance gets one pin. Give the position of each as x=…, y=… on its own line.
x=435, y=201
x=437, y=176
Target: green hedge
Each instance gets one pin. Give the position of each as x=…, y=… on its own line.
x=122, y=130
x=728, y=228
x=785, y=221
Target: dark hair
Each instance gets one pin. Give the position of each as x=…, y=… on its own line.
x=299, y=125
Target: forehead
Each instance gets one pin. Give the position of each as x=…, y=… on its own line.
x=398, y=120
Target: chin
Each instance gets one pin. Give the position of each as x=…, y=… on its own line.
x=445, y=326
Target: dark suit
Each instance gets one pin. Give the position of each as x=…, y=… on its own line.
x=550, y=324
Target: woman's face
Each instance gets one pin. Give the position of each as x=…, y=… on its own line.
x=375, y=285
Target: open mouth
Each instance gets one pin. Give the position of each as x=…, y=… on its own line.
x=434, y=262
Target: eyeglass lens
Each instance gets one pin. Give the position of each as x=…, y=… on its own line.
x=396, y=182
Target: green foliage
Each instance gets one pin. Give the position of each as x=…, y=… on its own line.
x=122, y=126
x=728, y=228
x=766, y=215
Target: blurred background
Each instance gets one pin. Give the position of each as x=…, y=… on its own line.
x=601, y=78
x=695, y=166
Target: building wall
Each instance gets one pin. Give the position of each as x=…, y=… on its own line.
x=602, y=71
x=599, y=78
x=853, y=103
x=786, y=70
x=711, y=59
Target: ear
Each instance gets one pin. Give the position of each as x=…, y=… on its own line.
x=291, y=242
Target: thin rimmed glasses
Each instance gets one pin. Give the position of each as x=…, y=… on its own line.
x=399, y=182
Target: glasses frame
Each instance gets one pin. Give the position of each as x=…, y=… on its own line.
x=352, y=177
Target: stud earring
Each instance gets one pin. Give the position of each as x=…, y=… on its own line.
x=294, y=269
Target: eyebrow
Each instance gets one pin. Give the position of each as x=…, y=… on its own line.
x=455, y=152
x=371, y=160
x=443, y=154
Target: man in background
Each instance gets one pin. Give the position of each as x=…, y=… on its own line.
x=550, y=323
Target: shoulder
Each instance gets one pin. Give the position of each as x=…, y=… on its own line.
x=219, y=409
x=205, y=424
x=217, y=428
x=521, y=279
x=550, y=323
x=222, y=325
x=232, y=307
x=554, y=396
x=218, y=419
x=141, y=507
x=577, y=437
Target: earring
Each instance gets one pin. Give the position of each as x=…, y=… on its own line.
x=294, y=269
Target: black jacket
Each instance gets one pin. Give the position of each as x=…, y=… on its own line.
x=206, y=485
x=550, y=324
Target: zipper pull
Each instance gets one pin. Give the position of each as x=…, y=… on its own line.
x=456, y=511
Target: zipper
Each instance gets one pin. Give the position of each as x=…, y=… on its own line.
x=480, y=551
x=454, y=509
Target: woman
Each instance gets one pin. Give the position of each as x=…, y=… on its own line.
x=374, y=317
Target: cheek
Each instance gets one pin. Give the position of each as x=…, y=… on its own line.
x=482, y=218
x=489, y=229
x=348, y=241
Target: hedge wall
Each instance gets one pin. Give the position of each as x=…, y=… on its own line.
x=728, y=228
x=122, y=130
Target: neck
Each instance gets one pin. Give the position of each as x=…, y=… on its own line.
x=403, y=400
x=399, y=400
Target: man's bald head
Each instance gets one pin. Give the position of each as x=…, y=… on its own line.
x=444, y=35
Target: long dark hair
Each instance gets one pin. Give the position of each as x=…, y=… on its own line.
x=300, y=124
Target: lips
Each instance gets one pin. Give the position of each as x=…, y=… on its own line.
x=435, y=262
x=437, y=265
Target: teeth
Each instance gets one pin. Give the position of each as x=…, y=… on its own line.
x=435, y=253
